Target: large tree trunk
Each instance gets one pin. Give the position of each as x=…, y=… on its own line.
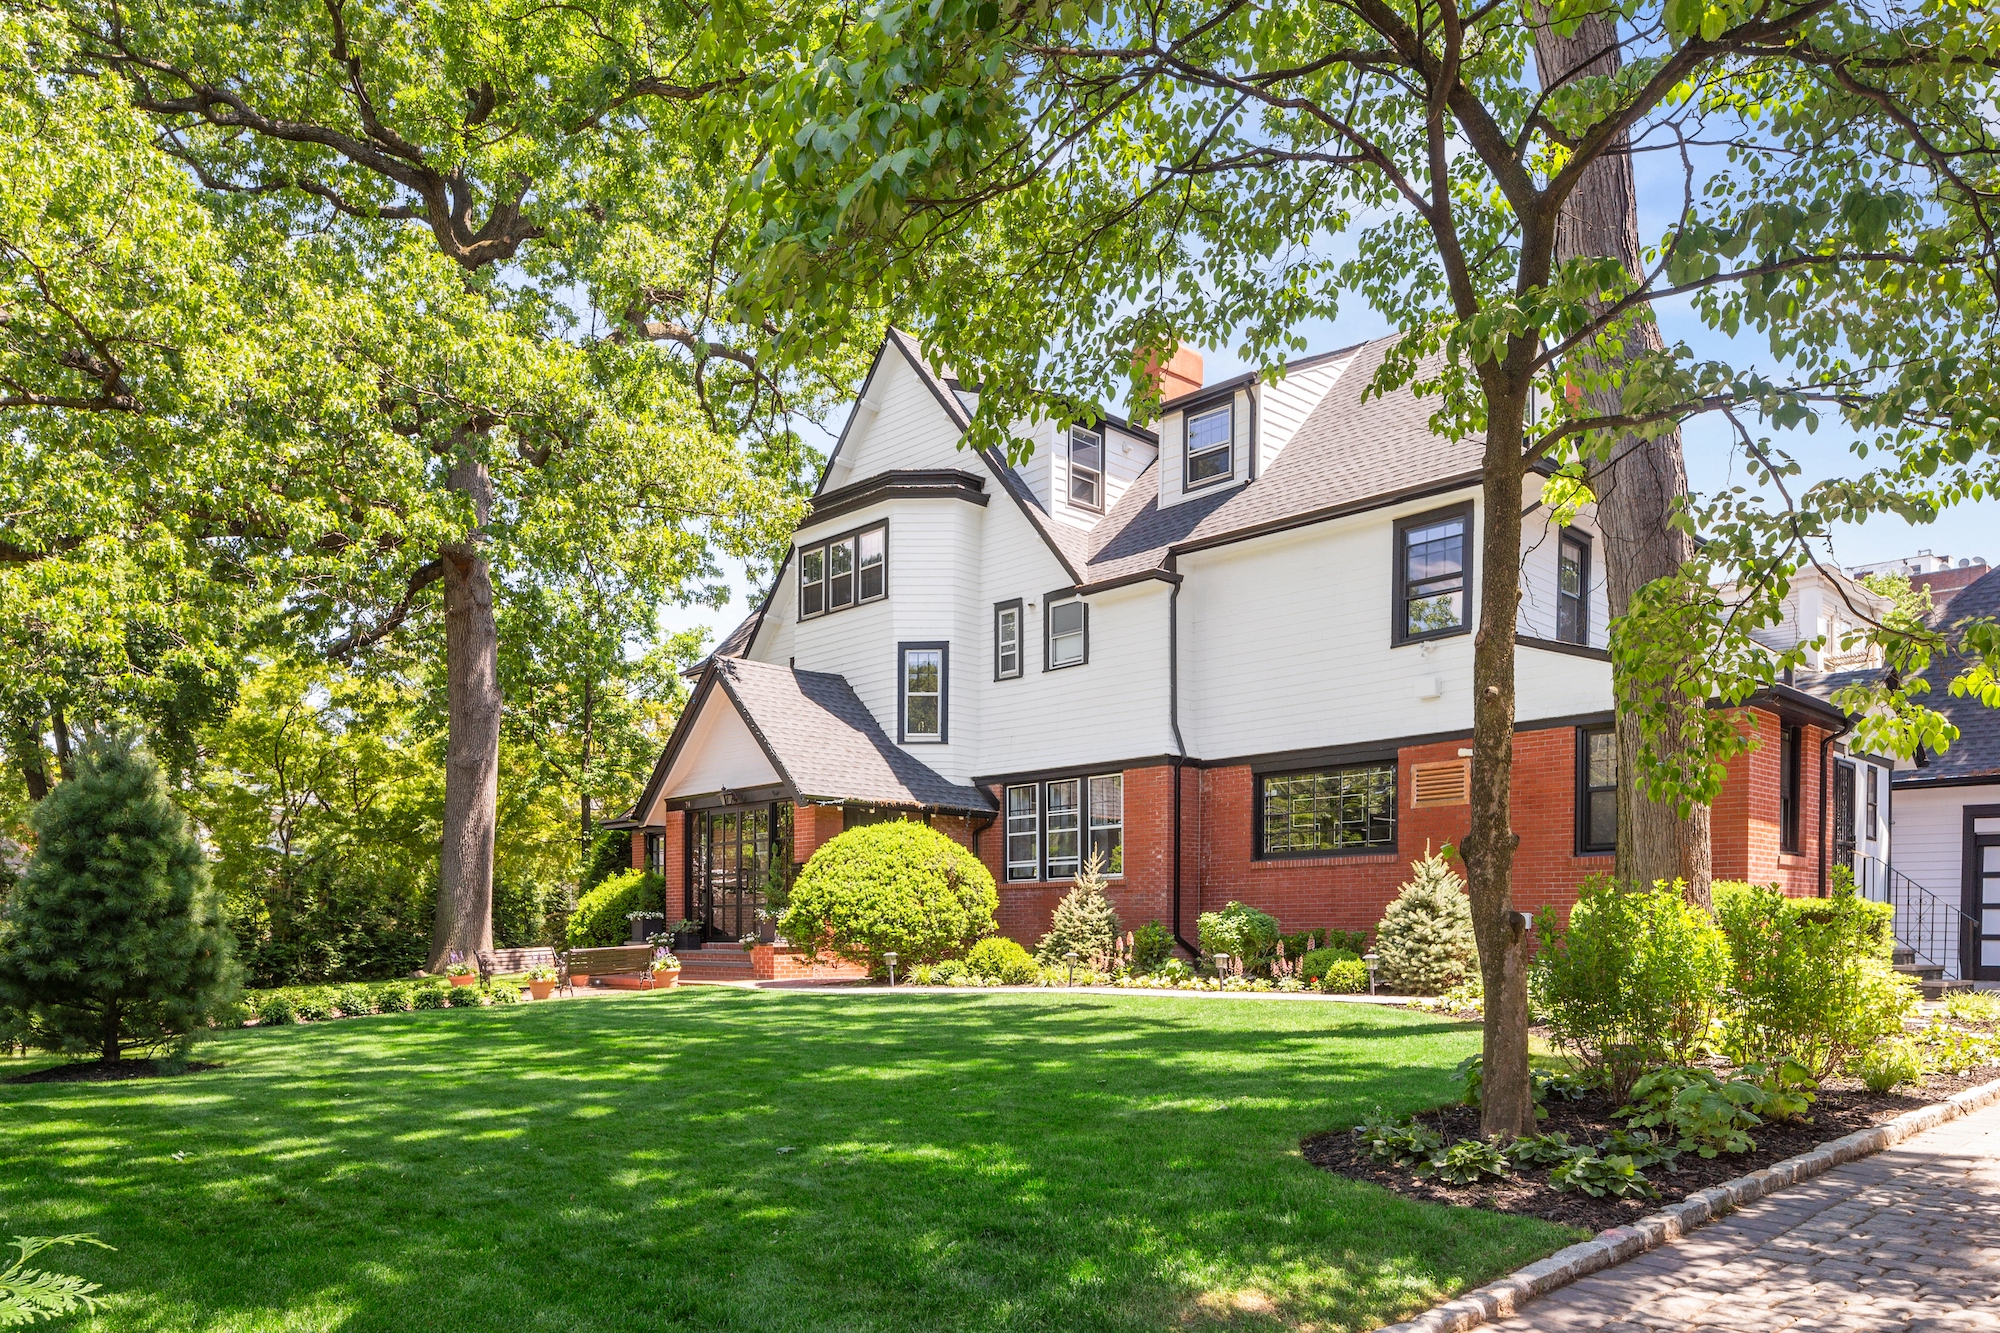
x=65, y=754
x=1507, y=1107
x=25, y=741
x=1642, y=483
x=472, y=746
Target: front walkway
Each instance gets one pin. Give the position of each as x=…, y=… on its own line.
x=1906, y=1241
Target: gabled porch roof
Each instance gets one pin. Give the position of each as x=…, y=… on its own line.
x=820, y=742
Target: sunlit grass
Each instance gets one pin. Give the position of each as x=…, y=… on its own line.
x=724, y=1159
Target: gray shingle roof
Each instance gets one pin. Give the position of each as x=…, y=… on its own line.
x=1976, y=752
x=828, y=746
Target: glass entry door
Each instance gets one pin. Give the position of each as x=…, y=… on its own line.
x=1984, y=896
x=733, y=854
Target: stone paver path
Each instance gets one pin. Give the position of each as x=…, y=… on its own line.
x=1906, y=1241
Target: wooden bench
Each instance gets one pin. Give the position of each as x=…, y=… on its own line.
x=622, y=960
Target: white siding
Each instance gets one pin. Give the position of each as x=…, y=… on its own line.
x=1283, y=406
x=1539, y=551
x=1173, y=456
x=907, y=429
x=1125, y=458
x=719, y=753
x=1929, y=826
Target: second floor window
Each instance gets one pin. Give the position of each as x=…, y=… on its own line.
x=1007, y=640
x=1210, y=439
x=1086, y=468
x=923, y=700
x=1573, y=589
x=1069, y=634
x=1874, y=824
x=1332, y=810
x=844, y=571
x=1433, y=567
x=1597, y=790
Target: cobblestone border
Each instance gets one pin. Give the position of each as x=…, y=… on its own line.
x=1503, y=1299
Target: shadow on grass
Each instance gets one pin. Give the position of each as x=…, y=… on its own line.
x=734, y=1159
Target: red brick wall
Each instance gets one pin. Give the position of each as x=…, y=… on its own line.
x=812, y=827
x=1143, y=893
x=1744, y=836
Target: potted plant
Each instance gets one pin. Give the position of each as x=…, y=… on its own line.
x=666, y=969
x=641, y=925
x=541, y=982
x=459, y=972
x=687, y=933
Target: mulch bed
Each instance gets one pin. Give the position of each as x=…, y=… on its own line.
x=98, y=1072
x=1844, y=1106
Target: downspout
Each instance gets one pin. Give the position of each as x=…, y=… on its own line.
x=1180, y=745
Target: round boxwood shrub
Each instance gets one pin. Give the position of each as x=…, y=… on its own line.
x=1424, y=945
x=1343, y=976
x=1000, y=959
x=603, y=916
x=899, y=888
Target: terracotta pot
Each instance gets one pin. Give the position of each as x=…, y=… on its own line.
x=541, y=990
x=666, y=980
x=465, y=980
x=579, y=979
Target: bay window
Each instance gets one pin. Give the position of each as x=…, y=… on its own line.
x=844, y=571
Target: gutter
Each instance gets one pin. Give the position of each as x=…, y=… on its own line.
x=1180, y=745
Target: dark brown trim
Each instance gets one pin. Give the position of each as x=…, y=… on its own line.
x=1048, y=628
x=827, y=543
x=1126, y=580
x=1399, y=634
x=903, y=651
x=1969, y=903
x=1581, y=797
x=904, y=484
x=1918, y=782
x=1363, y=750
x=1020, y=640
x=1076, y=771
x=1558, y=646
x=1259, y=852
x=732, y=798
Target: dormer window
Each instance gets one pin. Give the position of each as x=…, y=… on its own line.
x=1086, y=468
x=844, y=571
x=1211, y=437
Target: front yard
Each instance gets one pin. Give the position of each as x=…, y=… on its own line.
x=724, y=1159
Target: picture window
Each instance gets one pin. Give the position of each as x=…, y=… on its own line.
x=1329, y=810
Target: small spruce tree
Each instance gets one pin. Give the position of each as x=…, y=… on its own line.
x=114, y=938
x=1425, y=944
x=1085, y=922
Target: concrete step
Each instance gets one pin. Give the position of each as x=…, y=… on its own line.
x=1922, y=971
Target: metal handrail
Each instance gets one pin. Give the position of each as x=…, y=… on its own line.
x=1932, y=928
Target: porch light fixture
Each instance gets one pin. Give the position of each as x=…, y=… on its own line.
x=889, y=957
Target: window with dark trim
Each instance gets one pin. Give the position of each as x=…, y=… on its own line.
x=1791, y=750
x=844, y=571
x=1086, y=468
x=1054, y=826
x=1327, y=810
x=1210, y=446
x=1596, y=790
x=1573, y=587
x=1874, y=803
x=1433, y=574
x=1007, y=653
x=1065, y=633
x=656, y=853
x=922, y=693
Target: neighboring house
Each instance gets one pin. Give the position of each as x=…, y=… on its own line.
x=1935, y=573
x=1232, y=656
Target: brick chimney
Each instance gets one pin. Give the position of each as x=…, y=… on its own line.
x=1180, y=376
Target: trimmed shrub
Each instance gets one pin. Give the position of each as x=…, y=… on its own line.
x=1085, y=923
x=602, y=916
x=502, y=992
x=1343, y=976
x=113, y=940
x=276, y=1010
x=1152, y=945
x=314, y=1006
x=1244, y=933
x=1424, y=944
x=999, y=957
x=430, y=995
x=463, y=997
x=394, y=999
x=1635, y=982
x=1813, y=982
x=897, y=887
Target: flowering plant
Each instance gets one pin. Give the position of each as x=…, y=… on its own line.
x=541, y=974
x=457, y=966
x=664, y=961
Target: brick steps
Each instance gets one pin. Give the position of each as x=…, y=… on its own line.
x=726, y=964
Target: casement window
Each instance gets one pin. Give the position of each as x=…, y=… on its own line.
x=844, y=571
x=1053, y=827
x=1596, y=790
x=1874, y=825
x=1086, y=468
x=1791, y=750
x=1066, y=633
x=1024, y=832
x=1433, y=572
x=1327, y=810
x=924, y=697
x=1573, y=587
x=1210, y=452
x=1007, y=653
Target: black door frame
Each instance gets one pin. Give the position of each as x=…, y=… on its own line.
x=1970, y=898
x=1844, y=841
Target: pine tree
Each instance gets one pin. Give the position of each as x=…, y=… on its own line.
x=1085, y=922
x=1425, y=943
x=114, y=938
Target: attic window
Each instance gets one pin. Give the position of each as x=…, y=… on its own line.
x=844, y=571
x=1086, y=468
x=1445, y=783
x=1210, y=437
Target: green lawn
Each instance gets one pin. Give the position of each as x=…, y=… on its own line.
x=725, y=1159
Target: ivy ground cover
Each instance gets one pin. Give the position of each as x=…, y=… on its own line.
x=730, y=1159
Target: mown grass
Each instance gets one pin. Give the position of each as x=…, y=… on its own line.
x=725, y=1159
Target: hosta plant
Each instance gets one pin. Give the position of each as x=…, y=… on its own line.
x=1397, y=1142
x=1645, y=1148
x=1466, y=1162
x=1540, y=1149
x=1614, y=1177
x=1788, y=1090
x=1706, y=1115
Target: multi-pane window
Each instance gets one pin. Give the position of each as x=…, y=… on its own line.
x=1791, y=747
x=1062, y=814
x=1086, y=468
x=1597, y=790
x=1331, y=810
x=1874, y=803
x=1210, y=439
x=844, y=571
x=1069, y=633
x=923, y=699
x=1054, y=827
x=1024, y=832
x=1007, y=640
x=1431, y=559
x=1573, y=589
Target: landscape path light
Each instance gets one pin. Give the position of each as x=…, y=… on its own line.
x=889, y=957
x=1371, y=960
x=1070, y=958
x=1221, y=968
